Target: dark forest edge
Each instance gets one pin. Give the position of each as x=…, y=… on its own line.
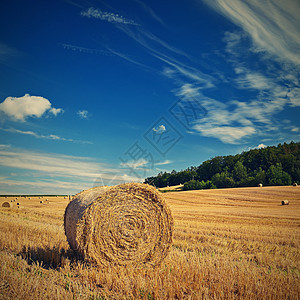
x=273, y=165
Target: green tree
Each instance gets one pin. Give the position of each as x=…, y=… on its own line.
x=223, y=180
x=239, y=171
x=276, y=176
x=260, y=176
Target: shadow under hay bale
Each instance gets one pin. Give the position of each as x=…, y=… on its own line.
x=129, y=224
x=48, y=258
x=285, y=202
x=7, y=204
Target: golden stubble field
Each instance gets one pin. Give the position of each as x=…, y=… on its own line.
x=227, y=244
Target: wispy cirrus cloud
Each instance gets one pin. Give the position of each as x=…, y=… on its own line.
x=150, y=12
x=165, y=162
x=273, y=26
x=72, y=173
x=270, y=84
x=7, y=52
x=42, y=136
x=20, y=108
x=107, y=16
x=85, y=49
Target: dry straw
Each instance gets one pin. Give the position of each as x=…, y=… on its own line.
x=285, y=202
x=6, y=204
x=129, y=224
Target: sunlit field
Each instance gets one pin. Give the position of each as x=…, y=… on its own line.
x=227, y=244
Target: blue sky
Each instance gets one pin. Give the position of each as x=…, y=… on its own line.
x=104, y=92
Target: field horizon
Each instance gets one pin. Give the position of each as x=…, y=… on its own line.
x=233, y=243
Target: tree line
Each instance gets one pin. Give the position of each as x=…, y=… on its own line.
x=274, y=165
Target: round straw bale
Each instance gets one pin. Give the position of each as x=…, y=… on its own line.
x=129, y=224
x=41, y=201
x=285, y=202
x=295, y=184
x=6, y=204
x=18, y=203
x=260, y=185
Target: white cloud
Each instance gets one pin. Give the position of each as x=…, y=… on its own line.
x=49, y=171
x=234, y=121
x=83, y=114
x=260, y=146
x=150, y=12
x=135, y=164
x=174, y=68
x=227, y=134
x=165, y=162
x=19, y=108
x=188, y=90
x=106, y=16
x=56, y=111
x=273, y=26
x=7, y=52
x=160, y=129
x=42, y=136
x=253, y=80
x=294, y=96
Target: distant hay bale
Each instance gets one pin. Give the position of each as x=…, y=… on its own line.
x=18, y=203
x=295, y=184
x=128, y=224
x=41, y=201
x=260, y=185
x=6, y=204
x=285, y=202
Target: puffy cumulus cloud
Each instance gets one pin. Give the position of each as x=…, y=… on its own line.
x=261, y=146
x=19, y=108
x=160, y=129
x=83, y=114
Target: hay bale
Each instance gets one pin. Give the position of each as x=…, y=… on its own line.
x=260, y=185
x=295, y=184
x=285, y=202
x=41, y=201
x=129, y=224
x=18, y=203
x=6, y=204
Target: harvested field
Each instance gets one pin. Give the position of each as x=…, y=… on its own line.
x=227, y=244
